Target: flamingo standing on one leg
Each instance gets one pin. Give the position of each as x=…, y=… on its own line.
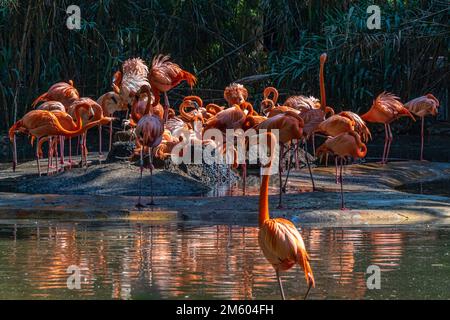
x=165, y=75
x=149, y=132
x=279, y=239
x=421, y=107
x=385, y=109
x=347, y=144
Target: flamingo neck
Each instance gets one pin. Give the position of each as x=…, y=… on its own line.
x=323, y=100
x=264, y=200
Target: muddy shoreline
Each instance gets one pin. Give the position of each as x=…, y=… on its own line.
x=108, y=191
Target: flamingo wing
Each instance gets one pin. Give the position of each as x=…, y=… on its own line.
x=283, y=246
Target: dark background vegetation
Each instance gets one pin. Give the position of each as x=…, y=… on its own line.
x=256, y=42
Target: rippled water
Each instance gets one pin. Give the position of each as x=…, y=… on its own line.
x=128, y=260
x=439, y=188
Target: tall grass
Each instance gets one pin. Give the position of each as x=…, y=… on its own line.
x=260, y=42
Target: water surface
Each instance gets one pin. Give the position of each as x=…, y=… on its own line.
x=134, y=260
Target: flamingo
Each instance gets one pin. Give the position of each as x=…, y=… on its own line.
x=165, y=75
x=279, y=239
x=347, y=144
x=421, y=107
x=290, y=127
x=302, y=102
x=149, y=133
x=311, y=114
x=55, y=107
x=65, y=92
x=41, y=123
x=385, y=109
x=231, y=118
x=235, y=93
x=110, y=103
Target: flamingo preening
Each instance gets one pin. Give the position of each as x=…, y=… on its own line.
x=347, y=144
x=165, y=75
x=421, y=107
x=279, y=239
x=290, y=127
x=110, y=103
x=149, y=133
x=43, y=123
x=385, y=109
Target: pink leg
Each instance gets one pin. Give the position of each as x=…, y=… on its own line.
x=244, y=174
x=37, y=157
x=50, y=155
x=70, y=152
x=61, y=148
x=15, y=153
x=421, y=139
x=110, y=135
x=85, y=149
x=342, y=187
x=383, y=158
x=389, y=142
x=99, y=141
x=336, y=164
x=56, y=153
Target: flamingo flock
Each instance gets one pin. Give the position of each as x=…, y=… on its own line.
x=60, y=114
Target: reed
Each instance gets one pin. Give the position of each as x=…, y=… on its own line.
x=261, y=42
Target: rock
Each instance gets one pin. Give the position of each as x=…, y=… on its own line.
x=121, y=151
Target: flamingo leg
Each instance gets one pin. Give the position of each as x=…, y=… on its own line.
x=288, y=170
x=386, y=139
x=391, y=137
x=55, y=148
x=309, y=167
x=110, y=135
x=70, y=152
x=307, y=291
x=244, y=175
x=141, y=165
x=280, y=284
x=48, y=154
x=61, y=148
x=85, y=149
x=37, y=156
x=280, y=178
x=150, y=159
x=14, y=153
x=297, y=150
x=342, y=187
x=336, y=164
x=421, y=139
x=100, y=142
x=166, y=107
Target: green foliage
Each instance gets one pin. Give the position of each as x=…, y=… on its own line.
x=223, y=41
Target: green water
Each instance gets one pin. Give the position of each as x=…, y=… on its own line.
x=128, y=260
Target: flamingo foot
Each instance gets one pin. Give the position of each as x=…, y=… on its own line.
x=345, y=209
